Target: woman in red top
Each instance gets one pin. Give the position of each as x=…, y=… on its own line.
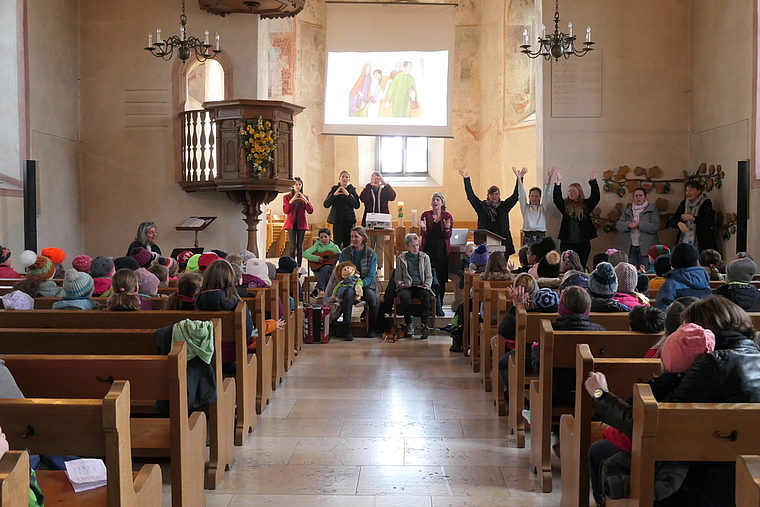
x=435, y=228
x=295, y=205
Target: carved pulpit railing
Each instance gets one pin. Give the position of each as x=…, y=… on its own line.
x=213, y=157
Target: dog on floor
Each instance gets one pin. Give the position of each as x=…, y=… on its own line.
x=396, y=332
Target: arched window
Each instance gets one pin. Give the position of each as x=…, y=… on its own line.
x=196, y=83
x=203, y=82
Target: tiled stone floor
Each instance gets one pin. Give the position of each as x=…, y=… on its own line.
x=373, y=424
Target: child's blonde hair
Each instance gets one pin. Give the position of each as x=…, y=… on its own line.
x=124, y=297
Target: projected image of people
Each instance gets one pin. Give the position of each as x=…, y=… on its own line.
x=405, y=88
x=402, y=90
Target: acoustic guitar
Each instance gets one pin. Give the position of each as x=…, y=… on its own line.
x=328, y=258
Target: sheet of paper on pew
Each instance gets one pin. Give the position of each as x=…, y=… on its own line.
x=85, y=474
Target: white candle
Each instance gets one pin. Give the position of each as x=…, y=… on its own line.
x=414, y=217
x=525, y=37
x=205, y=41
x=570, y=27
x=588, y=34
x=158, y=36
x=543, y=31
x=150, y=40
x=217, y=42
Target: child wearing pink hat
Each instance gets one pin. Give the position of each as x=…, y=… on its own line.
x=678, y=353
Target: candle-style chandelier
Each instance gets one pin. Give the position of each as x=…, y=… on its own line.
x=557, y=44
x=185, y=46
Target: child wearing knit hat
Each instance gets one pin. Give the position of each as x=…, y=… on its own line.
x=626, y=291
x=479, y=259
x=6, y=271
x=17, y=300
x=739, y=274
x=678, y=352
x=147, y=283
x=56, y=255
x=78, y=287
x=686, y=278
x=82, y=263
x=143, y=256
x=101, y=271
x=42, y=268
x=602, y=286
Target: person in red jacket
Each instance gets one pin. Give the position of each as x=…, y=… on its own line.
x=295, y=205
x=6, y=271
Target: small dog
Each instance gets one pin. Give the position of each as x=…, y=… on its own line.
x=396, y=332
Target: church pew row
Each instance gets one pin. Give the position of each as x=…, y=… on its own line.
x=248, y=373
x=748, y=481
x=289, y=333
x=14, y=479
x=715, y=432
x=500, y=304
x=577, y=431
x=126, y=344
x=487, y=293
x=181, y=437
x=558, y=349
x=91, y=427
x=263, y=302
x=527, y=332
x=467, y=315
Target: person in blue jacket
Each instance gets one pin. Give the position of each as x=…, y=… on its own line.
x=686, y=278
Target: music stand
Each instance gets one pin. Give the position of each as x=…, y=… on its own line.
x=195, y=224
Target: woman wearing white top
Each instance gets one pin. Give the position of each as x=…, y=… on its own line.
x=533, y=210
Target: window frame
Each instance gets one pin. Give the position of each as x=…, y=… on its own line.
x=405, y=173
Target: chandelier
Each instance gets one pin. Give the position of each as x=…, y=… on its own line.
x=557, y=44
x=185, y=46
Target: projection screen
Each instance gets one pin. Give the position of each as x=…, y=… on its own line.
x=389, y=69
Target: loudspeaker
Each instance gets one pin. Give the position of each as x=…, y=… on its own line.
x=742, y=205
x=30, y=205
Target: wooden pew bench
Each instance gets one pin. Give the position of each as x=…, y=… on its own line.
x=500, y=304
x=233, y=330
x=577, y=431
x=264, y=301
x=715, y=432
x=558, y=349
x=151, y=377
x=92, y=427
x=289, y=333
x=467, y=315
x=527, y=332
x=14, y=479
x=126, y=344
x=488, y=293
x=748, y=481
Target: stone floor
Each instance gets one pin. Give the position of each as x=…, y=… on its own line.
x=367, y=423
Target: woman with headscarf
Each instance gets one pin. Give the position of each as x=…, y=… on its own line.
x=695, y=218
x=435, y=228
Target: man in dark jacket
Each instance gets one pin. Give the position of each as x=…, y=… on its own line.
x=493, y=213
x=737, y=287
x=685, y=279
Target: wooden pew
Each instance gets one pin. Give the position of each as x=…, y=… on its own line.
x=265, y=300
x=84, y=428
x=233, y=330
x=558, y=351
x=715, y=432
x=294, y=289
x=43, y=303
x=748, y=481
x=151, y=377
x=466, y=315
x=289, y=333
x=488, y=327
x=141, y=342
x=14, y=479
x=577, y=431
x=500, y=304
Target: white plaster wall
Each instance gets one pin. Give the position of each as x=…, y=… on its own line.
x=54, y=122
x=126, y=114
x=11, y=211
x=645, y=51
x=721, y=105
